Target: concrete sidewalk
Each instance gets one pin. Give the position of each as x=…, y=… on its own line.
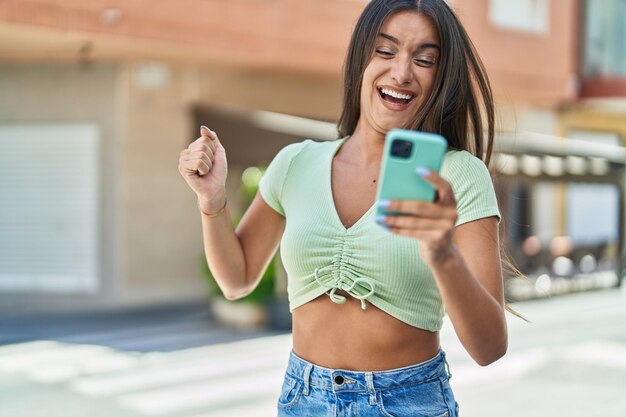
x=570, y=361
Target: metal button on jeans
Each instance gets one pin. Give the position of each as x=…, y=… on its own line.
x=339, y=380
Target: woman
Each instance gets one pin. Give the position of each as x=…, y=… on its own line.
x=368, y=301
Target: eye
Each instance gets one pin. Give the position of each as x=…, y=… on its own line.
x=425, y=62
x=384, y=53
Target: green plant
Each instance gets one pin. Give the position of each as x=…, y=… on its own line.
x=265, y=290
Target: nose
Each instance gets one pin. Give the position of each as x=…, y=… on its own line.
x=401, y=71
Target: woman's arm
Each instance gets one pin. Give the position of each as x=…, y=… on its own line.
x=465, y=262
x=237, y=259
x=470, y=282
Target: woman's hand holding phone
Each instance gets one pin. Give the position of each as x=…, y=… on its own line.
x=413, y=199
x=432, y=223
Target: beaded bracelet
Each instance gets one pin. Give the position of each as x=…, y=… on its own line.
x=214, y=214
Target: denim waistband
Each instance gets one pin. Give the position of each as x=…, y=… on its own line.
x=361, y=381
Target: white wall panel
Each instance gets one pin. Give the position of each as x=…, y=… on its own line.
x=49, y=176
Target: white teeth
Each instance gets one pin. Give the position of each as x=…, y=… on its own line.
x=396, y=95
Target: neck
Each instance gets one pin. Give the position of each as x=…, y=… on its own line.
x=366, y=147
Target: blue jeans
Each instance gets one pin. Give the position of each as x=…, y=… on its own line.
x=420, y=390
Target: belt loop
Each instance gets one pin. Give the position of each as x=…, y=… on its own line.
x=369, y=378
x=306, y=377
x=447, y=365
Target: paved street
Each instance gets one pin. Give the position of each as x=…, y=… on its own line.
x=570, y=361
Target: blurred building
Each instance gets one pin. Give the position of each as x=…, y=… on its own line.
x=558, y=67
x=97, y=99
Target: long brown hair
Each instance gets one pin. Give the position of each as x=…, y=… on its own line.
x=461, y=95
x=453, y=108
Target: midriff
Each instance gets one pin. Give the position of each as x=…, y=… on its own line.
x=343, y=336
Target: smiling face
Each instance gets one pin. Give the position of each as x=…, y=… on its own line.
x=400, y=75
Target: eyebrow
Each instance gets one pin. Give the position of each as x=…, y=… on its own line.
x=397, y=42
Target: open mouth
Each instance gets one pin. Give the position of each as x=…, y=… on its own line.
x=395, y=97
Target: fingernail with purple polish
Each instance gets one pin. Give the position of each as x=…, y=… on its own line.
x=422, y=171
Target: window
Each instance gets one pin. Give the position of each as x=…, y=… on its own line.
x=522, y=15
x=593, y=209
x=605, y=31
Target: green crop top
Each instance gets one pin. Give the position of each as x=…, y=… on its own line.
x=321, y=256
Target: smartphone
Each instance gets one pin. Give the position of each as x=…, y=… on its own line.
x=404, y=151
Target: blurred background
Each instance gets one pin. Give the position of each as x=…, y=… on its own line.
x=107, y=306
